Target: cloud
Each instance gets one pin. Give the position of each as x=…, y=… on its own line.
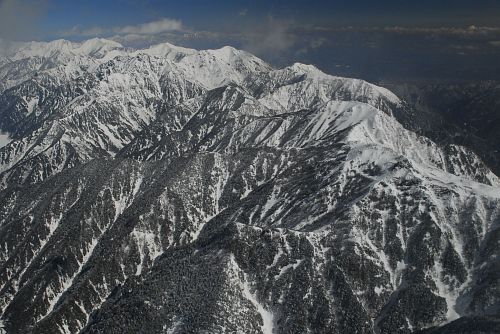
x=469, y=31
x=79, y=31
x=163, y=25
x=317, y=42
x=187, y=38
x=464, y=47
x=140, y=41
x=18, y=18
x=454, y=31
x=269, y=38
x=151, y=28
x=243, y=12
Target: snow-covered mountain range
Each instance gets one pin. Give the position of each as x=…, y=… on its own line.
x=171, y=190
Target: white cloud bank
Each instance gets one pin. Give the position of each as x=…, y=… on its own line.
x=160, y=26
x=151, y=28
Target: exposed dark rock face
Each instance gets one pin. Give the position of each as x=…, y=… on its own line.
x=175, y=191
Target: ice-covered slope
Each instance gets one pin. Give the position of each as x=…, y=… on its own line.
x=175, y=190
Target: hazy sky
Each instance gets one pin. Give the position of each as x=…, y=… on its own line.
x=378, y=40
x=51, y=17
x=203, y=14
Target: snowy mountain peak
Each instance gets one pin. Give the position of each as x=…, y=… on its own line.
x=43, y=49
x=96, y=47
x=310, y=70
x=167, y=50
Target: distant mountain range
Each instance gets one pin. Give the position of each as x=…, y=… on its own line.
x=170, y=190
